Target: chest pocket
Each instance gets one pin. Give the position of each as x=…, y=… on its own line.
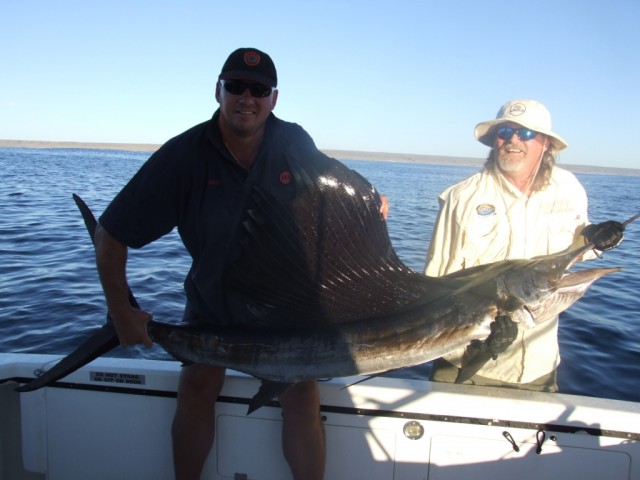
x=485, y=238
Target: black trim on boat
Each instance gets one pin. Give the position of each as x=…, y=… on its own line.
x=546, y=427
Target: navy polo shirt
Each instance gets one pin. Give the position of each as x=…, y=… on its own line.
x=193, y=183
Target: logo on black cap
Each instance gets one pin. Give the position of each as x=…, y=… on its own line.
x=251, y=58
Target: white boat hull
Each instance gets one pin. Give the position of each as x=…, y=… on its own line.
x=112, y=419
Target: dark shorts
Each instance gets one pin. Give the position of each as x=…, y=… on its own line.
x=443, y=371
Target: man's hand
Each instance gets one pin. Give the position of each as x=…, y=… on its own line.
x=503, y=332
x=605, y=235
x=384, y=207
x=131, y=327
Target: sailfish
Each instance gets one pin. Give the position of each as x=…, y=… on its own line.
x=326, y=295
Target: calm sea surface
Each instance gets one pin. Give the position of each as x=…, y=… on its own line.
x=50, y=296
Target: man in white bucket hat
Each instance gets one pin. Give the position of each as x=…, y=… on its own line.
x=519, y=206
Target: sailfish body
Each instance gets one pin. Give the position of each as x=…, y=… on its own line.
x=418, y=334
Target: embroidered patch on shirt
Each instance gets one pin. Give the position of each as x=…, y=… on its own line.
x=485, y=209
x=285, y=178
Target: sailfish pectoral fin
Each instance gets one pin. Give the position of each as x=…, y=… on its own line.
x=504, y=331
x=268, y=391
x=475, y=357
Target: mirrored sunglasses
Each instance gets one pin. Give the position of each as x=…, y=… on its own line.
x=237, y=87
x=524, y=134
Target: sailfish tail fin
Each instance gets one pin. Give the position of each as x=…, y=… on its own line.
x=100, y=342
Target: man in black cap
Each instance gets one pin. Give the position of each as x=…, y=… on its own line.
x=200, y=182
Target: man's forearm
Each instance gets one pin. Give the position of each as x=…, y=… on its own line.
x=111, y=261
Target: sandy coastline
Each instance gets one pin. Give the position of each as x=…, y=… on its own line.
x=131, y=147
x=339, y=154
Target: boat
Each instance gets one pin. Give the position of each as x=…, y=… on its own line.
x=111, y=420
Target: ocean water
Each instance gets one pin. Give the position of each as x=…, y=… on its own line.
x=50, y=296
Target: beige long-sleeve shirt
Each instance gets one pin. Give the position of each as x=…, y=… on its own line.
x=484, y=219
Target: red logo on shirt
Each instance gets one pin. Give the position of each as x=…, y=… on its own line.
x=214, y=181
x=285, y=178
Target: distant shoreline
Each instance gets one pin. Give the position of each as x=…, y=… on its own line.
x=339, y=154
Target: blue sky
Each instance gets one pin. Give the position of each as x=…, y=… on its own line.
x=388, y=76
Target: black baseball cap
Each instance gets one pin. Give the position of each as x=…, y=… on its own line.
x=250, y=64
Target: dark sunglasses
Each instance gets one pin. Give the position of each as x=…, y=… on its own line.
x=524, y=134
x=236, y=87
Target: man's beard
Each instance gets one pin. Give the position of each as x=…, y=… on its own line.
x=509, y=165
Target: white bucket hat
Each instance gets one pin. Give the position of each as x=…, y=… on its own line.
x=528, y=113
